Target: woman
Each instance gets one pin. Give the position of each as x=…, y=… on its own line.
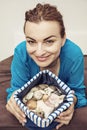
x=46, y=47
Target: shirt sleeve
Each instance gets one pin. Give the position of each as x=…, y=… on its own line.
x=19, y=71
x=76, y=81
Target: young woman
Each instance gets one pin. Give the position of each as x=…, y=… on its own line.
x=46, y=47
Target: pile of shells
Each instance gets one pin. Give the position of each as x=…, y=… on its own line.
x=43, y=99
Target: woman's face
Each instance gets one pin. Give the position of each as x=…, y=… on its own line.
x=44, y=42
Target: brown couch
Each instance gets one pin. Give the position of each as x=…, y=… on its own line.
x=9, y=122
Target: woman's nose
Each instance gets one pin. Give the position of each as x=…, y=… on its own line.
x=39, y=49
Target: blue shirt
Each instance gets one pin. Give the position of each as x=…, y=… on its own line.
x=23, y=68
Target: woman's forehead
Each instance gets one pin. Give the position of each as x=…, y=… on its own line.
x=42, y=29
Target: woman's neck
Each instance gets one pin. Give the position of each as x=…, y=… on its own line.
x=54, y=67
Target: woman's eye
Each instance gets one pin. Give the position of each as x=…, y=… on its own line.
x=31, y=42
x=49, y=41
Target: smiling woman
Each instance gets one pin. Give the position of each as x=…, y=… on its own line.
x=46, y=47
x=44, y=42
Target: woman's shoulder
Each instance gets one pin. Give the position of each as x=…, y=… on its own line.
x=21, y=46
x=71, y=50
x=22, y=55
x=20, y=51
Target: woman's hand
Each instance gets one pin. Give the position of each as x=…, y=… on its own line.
x=65, y=117
x=13, y=108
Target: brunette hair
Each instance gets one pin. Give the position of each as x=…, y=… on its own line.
x=45, y=12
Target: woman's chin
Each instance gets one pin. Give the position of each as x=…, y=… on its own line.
x=43, y=65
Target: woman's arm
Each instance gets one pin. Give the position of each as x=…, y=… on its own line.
x=65, y=117
x=13, y=108
x=20, y=76
x=20, y=71
x=76, y=83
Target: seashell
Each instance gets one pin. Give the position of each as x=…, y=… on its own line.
x=38, y=95
x=48, y=90
x=40, y=112
x=42, y=91
x=46, y=109
x=34, y=89
x=55, y=99
x=24, y=100
x=56, y=92
x=29, y=95
x=61, y=97
x=59, y=92
x=45, y=97
x=43, y=86
x=53, y=87
x=32, y=104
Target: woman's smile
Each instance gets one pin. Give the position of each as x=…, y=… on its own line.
x=42, y=59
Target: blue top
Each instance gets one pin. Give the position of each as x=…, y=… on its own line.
x=71, y=72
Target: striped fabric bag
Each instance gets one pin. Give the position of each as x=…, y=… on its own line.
x=44, y=77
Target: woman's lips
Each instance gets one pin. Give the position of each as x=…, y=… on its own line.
x=42, y=58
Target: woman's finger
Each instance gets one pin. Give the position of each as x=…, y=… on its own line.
x=59, y=125
x=64, y=120
x=15, y=110
x=68, y=111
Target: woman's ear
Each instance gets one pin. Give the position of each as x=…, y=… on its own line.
x=64, y=39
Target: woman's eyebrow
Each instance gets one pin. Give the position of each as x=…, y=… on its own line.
x=43, y=39
x=49, y=37
x=30, y=38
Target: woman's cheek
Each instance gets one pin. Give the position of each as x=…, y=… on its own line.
x=30, y=49
x=53, y=49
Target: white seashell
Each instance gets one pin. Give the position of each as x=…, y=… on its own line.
x=24, y=100
x=42, y=91
x=29, y=95
x=39, y=112
x=48, y=91
x=34, y=89
x=55, y=99
x=38, y=95
x=46, y=109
